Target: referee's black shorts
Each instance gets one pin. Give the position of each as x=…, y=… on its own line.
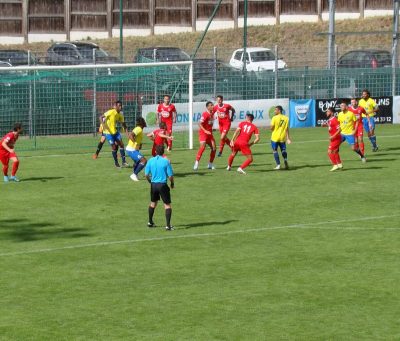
x=159, y=189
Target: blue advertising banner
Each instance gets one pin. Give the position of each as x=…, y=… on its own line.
x=302, y=113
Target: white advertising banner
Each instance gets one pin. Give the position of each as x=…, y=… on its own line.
x=396, y=109
x=262, y=109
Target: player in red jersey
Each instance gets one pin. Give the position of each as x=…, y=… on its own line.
x=159, y=137
x=225, y=116
x=240, y=142
x=166, y=112
x=7, y=152
x=335, y=139
x=358, y=128
x=206, y=136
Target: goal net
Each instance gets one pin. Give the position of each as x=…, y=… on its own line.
x=55, y=102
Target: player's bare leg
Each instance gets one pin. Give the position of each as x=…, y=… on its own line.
x=14, y=169
x=122, y=153
x=230, y=160
x=224, y=140
x=355, y=148
x=199, y=154
x=212, y=155
x=248, y=161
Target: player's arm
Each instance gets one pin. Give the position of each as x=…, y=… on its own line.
x=288, y=139
x=233, y=111
x=234, y=137
x=150, y=136
x=131, y=136
x=255, y=140
x=6, y=147
x=336, y=134
x=204, y=129
x=174, y=115
x=170, y=175
x=124, y=126
x=166, y=136
x=103, y=121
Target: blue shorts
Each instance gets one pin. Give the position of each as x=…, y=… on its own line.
x=135, y=155
x=281, y=145
x=349, y=138
x=112, y=138
x=366, y=125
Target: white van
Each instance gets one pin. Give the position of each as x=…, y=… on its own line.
x=257, y=59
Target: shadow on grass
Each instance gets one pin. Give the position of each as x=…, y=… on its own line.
x=23, y=230
x=42, y=178
x=379, y=160
x=192, y=173
x=205, y=223
x=361, y=169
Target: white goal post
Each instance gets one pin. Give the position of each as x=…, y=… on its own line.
x=67, y=99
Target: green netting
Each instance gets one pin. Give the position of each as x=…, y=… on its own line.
x=69, y=101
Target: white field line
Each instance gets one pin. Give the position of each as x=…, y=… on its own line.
x=315, y=225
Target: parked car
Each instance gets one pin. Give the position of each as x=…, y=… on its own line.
x=74, y=53
x=17, y=57
x=365, y=59
x=163, y=54
x=257, y=59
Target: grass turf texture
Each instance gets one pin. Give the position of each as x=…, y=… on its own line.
x=298, y=254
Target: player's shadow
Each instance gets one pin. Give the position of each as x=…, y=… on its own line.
x=192, y=173
x=207, y=223
x=23, y=230
x=42, y=178
x=360, y=169
x=379, y=160
x=290, y=169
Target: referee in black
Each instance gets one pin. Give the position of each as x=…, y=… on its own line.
x=158, y=170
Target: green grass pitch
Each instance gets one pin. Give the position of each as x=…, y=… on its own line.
x=302, y=254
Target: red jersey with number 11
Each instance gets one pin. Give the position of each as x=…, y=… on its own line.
x=247, y=129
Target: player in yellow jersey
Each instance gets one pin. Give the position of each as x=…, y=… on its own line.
x=109, y=122
x=347, y=121
x=134, y=146
x=371, y=108
x=280, y=135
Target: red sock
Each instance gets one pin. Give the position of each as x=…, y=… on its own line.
x=221, y=145
x=362, y=147
x=169, y=144
x=338, y=158
x=230, y=160
x=246, y=163
x=5, y=170
x=14, y=167
x=212, y=155
x=332, y=157
x=200, y=152
x=227, y=141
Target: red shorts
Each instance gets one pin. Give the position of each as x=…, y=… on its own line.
x=203, y=137
x=224, y=126
x=335, y=144
x=242, y=147
x=6, y=156
x=169, y=126
x=360, y=130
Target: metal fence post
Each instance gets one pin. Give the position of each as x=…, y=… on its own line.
x=305, y=81
x=215, y=71
x=331, y=37
x=155, y=77
x=94, y=111
x=276, y=72
x=335, y=73
x=30, y=98
x=396, y=6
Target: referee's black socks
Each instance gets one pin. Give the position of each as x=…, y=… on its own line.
x=151, y=213
x=168, y=214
